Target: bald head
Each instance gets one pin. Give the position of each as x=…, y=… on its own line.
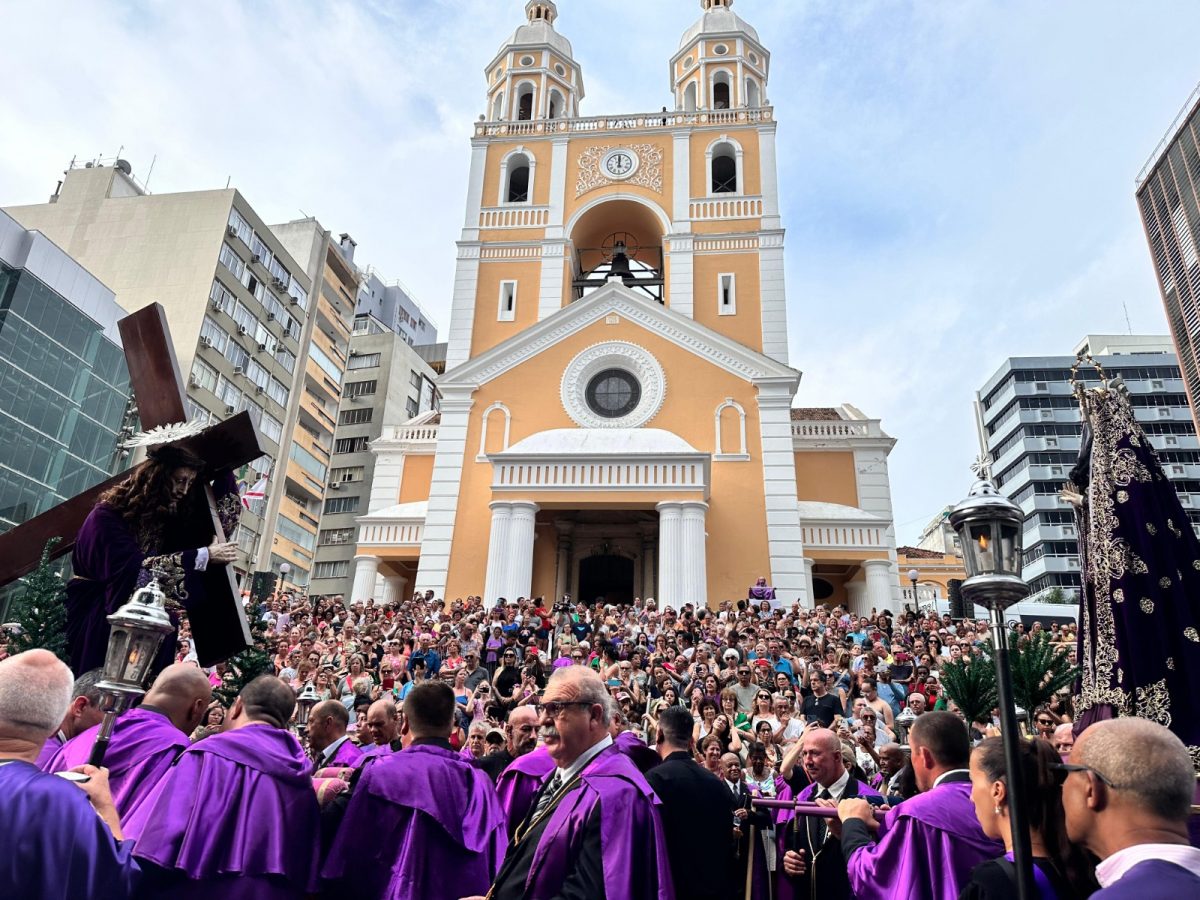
x=383, y=720
x=521, y=730
x=35, y=691
x=581, y=683
x=266, y=699
x=1148, y=764
x=182, y=692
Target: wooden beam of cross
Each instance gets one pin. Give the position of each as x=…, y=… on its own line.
x=219, y=626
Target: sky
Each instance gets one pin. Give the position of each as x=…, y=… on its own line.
x=957, y=178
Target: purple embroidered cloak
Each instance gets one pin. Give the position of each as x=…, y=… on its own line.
x=421, y=823
x=49, y=749
x=633, y=747
x=111, y=561
x=55, y=845
x=144, y=744
x=518, y=784
x=633, y=845
x=236, y=817
x=927, y=847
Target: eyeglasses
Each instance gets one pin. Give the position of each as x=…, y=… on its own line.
x=868, y=718
x=555, y=708
x=1067, y=768
x=1045, y=722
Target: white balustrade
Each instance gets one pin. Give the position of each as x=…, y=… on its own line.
x=597, y=475
x=514, y=217
x=726, y=208
x=660, y=120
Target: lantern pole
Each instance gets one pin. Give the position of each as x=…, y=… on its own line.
x=137, y=631
x=989, y=529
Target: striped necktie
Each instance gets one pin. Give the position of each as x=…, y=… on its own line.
x=548, y=793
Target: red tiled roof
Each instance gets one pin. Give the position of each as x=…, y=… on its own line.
x=815, y=413
x=918, y=553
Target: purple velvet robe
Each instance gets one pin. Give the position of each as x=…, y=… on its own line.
x=236, y=818
x=143, y=746
x=421, y=823
x=347, y=755
x=55, y=846
x=633, y=845
x=927, y=847
x=518, y=784
x=761, y=591
x=49, y=749
x=633, y=747
x=110, y=561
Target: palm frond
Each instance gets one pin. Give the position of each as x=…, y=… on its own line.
x=1039, y=669
x=971, y=684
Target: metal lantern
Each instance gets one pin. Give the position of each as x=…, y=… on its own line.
x=137, y=631
x=307, y=699
x=989, y=525
x=989, y=532
x=1022, y=720
x=903, y=723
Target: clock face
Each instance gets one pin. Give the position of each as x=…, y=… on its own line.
x=619, y=163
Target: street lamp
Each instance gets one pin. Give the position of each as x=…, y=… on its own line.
x=138, y=629
x=305, y=701
x=989, y=530
x=284, y=569
x=913, y=575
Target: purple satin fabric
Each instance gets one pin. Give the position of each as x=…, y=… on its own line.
x=239, y=803
x=55, y=845
x=634, y=849
x=143, y=746
x=762, y=593
x=421, y=823
x=347, y=754
x=632, y=746
x=518, y=784
x=927, y=847
x=48, y=750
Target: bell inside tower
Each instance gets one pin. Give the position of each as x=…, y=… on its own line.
x=619, y=238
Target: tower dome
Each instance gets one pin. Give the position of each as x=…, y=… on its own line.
x=534, y=75
x=721, y=63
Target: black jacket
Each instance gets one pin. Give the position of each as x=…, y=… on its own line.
x=697, y=815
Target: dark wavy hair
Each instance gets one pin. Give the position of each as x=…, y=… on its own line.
x=145, y=496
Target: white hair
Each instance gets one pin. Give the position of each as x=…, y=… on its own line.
x=35, y=691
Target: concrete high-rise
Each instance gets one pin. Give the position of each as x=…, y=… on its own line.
x=1029, y=424
x=251, y=321
x=1168, y=194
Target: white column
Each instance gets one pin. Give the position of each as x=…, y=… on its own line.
x=856, y=592
x=393, y=588
x=680, y=295
x=550, y=290
x=648, y=564
x=562, y=578
x=772, y=294
x=785, y=544
x=521, y=534
x=879, y=585
x=681, y=178
x=768, y=175
x=669, y=530
x=494, y=584
x=693, y=575
x=443, y=491
x=366, y=568
x=462, y=304
x=809, y=593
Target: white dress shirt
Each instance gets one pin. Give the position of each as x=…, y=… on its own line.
x=836, y=789
x=584, y=758
x=1113, y=869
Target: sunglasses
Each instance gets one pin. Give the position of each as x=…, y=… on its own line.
x=1065, y=769
x=556, y=708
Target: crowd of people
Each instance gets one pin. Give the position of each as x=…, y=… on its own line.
x=578, y=750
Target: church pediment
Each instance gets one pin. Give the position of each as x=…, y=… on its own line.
x=616, y=299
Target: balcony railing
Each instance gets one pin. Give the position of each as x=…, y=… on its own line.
x=651, y=121
x=514, y=217
x=821, y=429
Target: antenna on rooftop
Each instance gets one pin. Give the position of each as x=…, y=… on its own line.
x=1127, y=325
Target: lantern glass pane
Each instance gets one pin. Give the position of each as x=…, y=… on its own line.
x=980, y=553
x=114, y=661
x=1010, y=547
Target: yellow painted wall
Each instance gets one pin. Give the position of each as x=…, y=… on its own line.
x=488, y=330
x=736, y=523
x=414, y=485
x=545, y=560
x=826, y=476
x=746, y=326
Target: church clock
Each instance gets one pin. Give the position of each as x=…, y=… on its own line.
x=618, y=163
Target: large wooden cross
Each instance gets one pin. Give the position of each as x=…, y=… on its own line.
x=219, y=627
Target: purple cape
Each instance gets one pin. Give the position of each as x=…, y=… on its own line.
x=347, y=754
x=237, y=815
x=787, y=887
x=48, y=750
x=421, y=823
x=633, y=846
x=927, y=848
x=376, y=750
x=633, y=747
x=55, y=845
x=518, y=784
x=144, y=744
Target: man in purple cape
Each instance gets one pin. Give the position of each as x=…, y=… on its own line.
x=383, y=725
x=1126, y=797
x=59, y=840
x=145, y=741
x=332, y=747
x=631, y=745
x=811, y=857
x=519, y=784
x=761, y=591
x=82, y=714
x=236, y=817
x=929, y=844
x=423, y=822
x=594, y=830
x=157, y=518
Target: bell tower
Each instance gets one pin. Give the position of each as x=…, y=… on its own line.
x=534, y=76
x=720, y=63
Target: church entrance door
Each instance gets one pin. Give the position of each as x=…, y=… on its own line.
x=609, y=578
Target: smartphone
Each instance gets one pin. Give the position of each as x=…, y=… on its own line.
x=77, y=777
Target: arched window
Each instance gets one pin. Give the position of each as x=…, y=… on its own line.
x=497, y=107
x=525, y=102
x=517, y=190
x=556, y=104
x=720, y=91
x=730, y=421
x=752, y=96
x=689, y=97
x=724, y=169
x=493, y=436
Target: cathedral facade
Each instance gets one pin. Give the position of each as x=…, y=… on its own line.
x=617, y=413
